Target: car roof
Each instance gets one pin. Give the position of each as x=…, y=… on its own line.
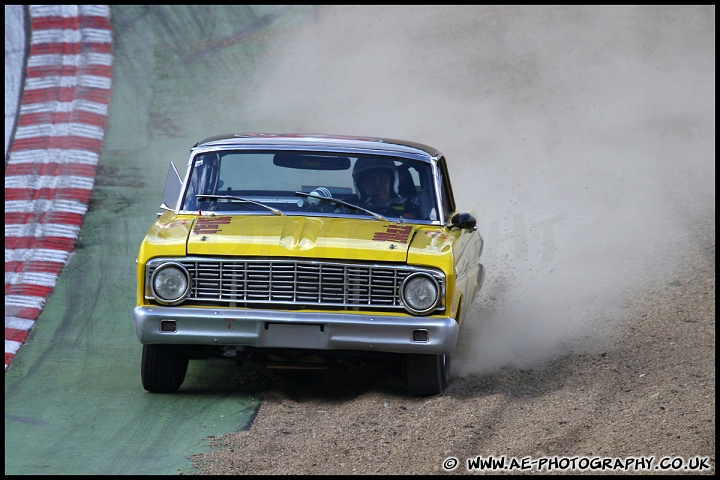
x=321, y=142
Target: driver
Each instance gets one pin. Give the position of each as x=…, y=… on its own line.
x=376, y=181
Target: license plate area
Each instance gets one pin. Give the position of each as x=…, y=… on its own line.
x=303, y=335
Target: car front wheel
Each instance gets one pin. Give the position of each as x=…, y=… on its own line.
x=427, y=374
x=163, y=368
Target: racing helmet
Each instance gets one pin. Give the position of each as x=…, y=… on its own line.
x=367, y=164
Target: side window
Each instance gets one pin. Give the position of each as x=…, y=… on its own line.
x=447, y=199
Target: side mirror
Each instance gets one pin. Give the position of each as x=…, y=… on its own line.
x=464, y=221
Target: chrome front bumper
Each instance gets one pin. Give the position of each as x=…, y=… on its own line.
x=287, y=329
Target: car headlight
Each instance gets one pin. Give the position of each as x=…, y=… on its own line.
x=170, y=283
x=420, y=293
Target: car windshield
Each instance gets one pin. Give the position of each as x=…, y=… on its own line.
x=310, y=183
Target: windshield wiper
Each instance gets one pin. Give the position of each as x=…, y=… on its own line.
x=342, y=202
x=240, y=199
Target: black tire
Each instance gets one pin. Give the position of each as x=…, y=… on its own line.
x=163, y=368
x=427, y=374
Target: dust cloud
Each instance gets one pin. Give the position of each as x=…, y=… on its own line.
x=583, y=137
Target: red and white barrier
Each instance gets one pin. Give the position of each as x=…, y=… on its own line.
x=52, y=161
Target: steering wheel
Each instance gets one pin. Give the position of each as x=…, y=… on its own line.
x=317, y=204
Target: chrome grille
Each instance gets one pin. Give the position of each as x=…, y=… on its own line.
x=293, y=282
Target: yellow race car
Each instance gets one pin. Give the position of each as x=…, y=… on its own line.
x=299, y=250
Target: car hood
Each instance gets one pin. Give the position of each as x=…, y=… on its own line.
x=317, y=237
